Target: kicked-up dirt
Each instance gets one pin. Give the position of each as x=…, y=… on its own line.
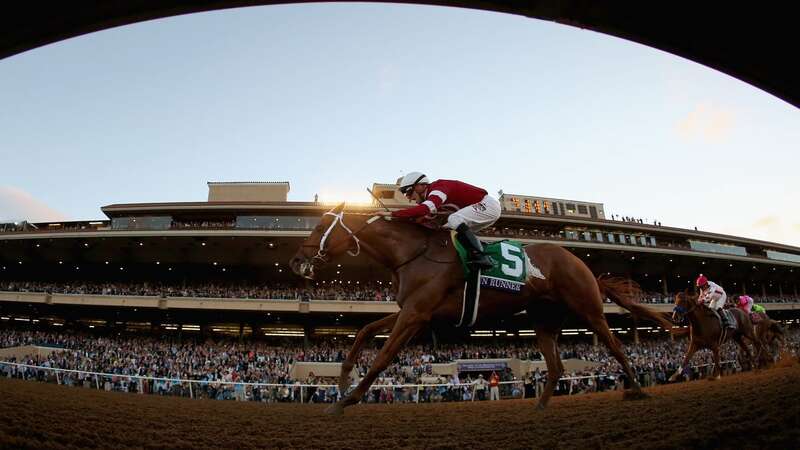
x=750, y=410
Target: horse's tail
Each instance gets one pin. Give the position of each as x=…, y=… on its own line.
x=625, y=292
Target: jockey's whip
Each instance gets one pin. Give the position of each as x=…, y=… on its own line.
x=377, y=199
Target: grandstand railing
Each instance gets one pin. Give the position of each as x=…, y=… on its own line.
x=300, y=389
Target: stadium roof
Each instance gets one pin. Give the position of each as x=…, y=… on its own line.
x=755, y=42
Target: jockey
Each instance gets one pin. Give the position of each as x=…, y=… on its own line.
x=745, y=303
x=758, y=309
x=476, y=210
x=713, y=296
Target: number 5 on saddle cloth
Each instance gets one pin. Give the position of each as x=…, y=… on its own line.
x=512, y=269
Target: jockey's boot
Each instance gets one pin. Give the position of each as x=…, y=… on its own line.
x=477, y=258
x=725, y=321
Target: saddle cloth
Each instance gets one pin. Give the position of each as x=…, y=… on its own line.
x=512, y=269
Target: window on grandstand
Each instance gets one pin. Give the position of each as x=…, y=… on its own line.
x=611, y=238
x=387, y=194
x=277, y=222
x=599, y=236
x=582, y=210
x=718, y=248
x=643, y=240
x=572, y=234
x=141, y=223
x=652, y=241
x=781, y=256
x=571, y=208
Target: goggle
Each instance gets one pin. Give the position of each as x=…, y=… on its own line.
x=406, y=189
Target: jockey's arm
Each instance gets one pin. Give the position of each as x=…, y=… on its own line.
x=429, y=206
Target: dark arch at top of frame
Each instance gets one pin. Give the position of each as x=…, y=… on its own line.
x=755, y=43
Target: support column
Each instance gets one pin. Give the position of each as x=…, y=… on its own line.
x=664, y=288
x=635, y=334
x=594, y=339
x=795, y=289
x=763, y=290
x=241, y=332
x=780, y=289
x=307, y=330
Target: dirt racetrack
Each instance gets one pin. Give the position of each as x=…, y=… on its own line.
x=752, y=410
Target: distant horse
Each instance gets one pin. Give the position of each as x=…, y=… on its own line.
x=430, y=285
x=772, y=337
x=706, y=331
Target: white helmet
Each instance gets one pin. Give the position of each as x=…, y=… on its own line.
x=411, y=179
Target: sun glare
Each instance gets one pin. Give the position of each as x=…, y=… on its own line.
x=349, y=197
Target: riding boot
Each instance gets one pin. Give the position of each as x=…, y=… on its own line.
x=477, y=258
x=725, y=321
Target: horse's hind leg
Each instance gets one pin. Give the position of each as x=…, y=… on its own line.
x=744, y=349
x=547, y=344
x=600, y=326
x=364, y=335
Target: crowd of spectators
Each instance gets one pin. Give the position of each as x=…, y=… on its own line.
x=183, y=224
x=217, y=366
x=351, y=291
x=354, y=291
x=629, y=219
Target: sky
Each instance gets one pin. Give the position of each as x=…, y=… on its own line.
x=335, y=97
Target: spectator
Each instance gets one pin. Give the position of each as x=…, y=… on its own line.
x=494, y=386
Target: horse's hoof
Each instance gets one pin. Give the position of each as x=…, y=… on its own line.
x=634, y=395
x=335, y=410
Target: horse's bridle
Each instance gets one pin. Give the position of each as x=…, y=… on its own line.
x=683, y=311
x=322, y=254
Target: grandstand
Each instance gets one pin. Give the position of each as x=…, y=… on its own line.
x=220, y=267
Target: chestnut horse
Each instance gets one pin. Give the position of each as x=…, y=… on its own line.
x=430, y=282
x=706, y=331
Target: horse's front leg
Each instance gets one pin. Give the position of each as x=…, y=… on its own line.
x=408, y=324
x=716, y=374
x=364, y=335
x=689, y=353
